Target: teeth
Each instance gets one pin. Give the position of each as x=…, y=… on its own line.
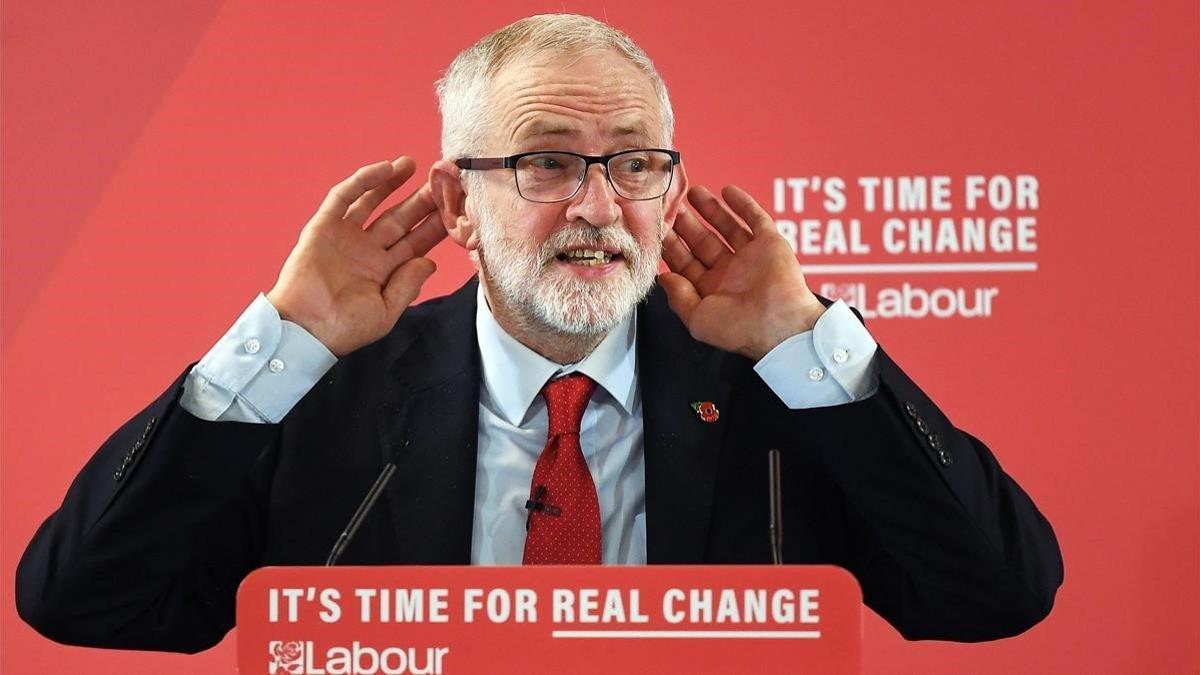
x=588, y=257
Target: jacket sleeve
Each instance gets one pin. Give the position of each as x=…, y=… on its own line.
x=944, y=543
x=131, y=558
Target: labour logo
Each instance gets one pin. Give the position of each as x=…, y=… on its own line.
x=845, y=292
x=286, y=657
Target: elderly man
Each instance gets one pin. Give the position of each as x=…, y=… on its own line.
x=556, y=410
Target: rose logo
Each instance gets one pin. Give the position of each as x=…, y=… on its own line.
x=846, y=292
x=286, y=657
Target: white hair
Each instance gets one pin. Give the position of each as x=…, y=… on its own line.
x=464, y=91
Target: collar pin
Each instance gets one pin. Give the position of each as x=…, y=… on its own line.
x=706, y=411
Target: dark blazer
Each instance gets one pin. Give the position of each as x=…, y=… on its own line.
x=156, y=532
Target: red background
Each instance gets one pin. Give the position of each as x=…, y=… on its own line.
x=160, y=158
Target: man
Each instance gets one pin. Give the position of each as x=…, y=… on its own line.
x=547, y=413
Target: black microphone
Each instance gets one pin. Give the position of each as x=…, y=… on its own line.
x=535, y=504
x=775, y=491
x=360, y=515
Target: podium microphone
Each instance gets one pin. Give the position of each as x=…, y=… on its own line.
x=360, y=515
x=775, y=491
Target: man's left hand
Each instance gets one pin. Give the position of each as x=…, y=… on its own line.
x=742, y=291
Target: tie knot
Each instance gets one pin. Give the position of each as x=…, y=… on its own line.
x=566, y=399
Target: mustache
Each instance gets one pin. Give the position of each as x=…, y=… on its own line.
x=589, y=237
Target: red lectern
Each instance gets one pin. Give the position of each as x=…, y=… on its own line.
x=651, y=619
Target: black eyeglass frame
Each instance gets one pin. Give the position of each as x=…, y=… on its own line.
x=510, y=162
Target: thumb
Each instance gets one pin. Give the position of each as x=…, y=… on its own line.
x=681, y=294
x=405, y=284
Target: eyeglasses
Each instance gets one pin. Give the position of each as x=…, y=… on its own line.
x=557, y=176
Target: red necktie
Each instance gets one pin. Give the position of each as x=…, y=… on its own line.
x=564, y=512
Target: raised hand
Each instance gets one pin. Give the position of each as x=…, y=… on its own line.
x=742, y=291
x=347, y=284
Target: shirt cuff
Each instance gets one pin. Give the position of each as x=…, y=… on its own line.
x=832, y=364
x=265, y=363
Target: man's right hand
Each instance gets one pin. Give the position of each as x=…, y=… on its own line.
x=347, y=284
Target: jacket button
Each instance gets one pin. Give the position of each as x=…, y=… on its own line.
x=922, y=426
x=945, y=458
x=119, y=474
x=935, y=442
x=910, y=409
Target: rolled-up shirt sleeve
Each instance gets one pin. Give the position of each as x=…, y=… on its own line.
x=258, y=371
x=832, y=364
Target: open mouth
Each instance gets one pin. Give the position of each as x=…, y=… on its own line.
x=588, y=257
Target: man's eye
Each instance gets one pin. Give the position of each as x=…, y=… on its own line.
x=633, y=165
x=547, y=163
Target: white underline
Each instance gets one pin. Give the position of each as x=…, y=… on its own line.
x=720, y=634
x=919, y=268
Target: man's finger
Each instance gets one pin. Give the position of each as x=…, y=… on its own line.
x=704, y=243
x=405, y=284
x=749, y=210
x=362, y=207
x=681, y=295
x=732, y=229
x=395, y=222
x=715, y=212
x=420, y=240
x=680, y=259
x=344, y=194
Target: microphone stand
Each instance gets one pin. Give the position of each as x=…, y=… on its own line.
x=775, y=490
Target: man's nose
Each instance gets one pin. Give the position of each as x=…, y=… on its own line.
x=596, y=201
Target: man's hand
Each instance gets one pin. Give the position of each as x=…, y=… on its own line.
x=347, y=284
x=742, y=291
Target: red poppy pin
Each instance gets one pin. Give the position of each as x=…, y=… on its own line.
x=706, y=411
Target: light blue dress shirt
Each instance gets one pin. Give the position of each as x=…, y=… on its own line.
x=263, y=366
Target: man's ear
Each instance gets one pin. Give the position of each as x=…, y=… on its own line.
x=450, y=196
x=674, y=200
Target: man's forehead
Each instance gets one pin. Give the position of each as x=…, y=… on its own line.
x=552, y=95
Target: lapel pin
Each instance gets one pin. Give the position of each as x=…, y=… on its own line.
x=706, y=411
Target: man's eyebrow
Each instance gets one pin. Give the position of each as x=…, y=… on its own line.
x=631, y=130
x=536, y=129
x=539, y=129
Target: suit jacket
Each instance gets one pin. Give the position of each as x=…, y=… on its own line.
x=159, y=528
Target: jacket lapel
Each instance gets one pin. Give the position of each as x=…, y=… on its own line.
x=681, y=450
x=428, y=428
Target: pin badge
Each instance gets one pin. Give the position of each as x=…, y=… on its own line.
x=706, y=411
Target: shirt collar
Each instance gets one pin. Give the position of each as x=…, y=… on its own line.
x=513, y=374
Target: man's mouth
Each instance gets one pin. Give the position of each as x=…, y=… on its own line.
x=588, y=257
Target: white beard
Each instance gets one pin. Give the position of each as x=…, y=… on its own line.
x=530, y=283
